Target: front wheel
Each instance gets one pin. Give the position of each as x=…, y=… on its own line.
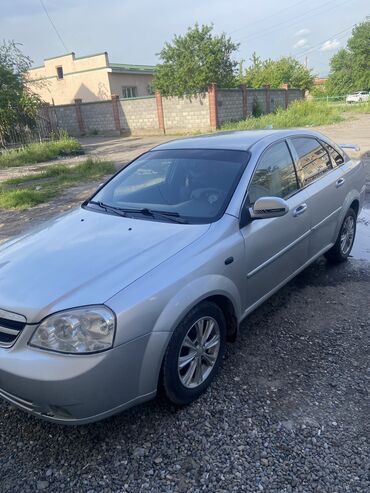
x=194, y=353
x=341, y=249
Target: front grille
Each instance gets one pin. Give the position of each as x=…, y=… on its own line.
x=9, y=331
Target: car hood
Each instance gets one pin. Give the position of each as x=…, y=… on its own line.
x=84, y=258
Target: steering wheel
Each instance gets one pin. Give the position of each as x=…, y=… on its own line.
x=211, y=195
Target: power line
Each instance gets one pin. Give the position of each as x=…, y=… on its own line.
x=292, y=21
x=262, y=19
x=339, y=35
x=54, y=27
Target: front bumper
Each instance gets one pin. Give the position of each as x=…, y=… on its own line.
x=78, y=389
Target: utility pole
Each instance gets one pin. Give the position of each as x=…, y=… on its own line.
x=306, y=62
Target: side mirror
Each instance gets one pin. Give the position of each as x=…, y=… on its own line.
x=266, y=207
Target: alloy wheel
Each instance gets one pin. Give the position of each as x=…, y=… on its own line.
x=347, y=235
x=199, y=351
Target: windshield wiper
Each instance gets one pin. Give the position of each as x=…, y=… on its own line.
x=167, y=215
x=122, y=211
x=110, y=208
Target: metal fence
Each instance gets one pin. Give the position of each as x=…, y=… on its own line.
x=45, y=128
x=330, y=99
x=334, y=99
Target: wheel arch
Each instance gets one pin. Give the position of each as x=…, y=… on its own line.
x=227, y=308
x=215, y=288
x=353, y=201
x=355, y=205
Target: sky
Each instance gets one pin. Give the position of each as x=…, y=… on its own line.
x=135, y=31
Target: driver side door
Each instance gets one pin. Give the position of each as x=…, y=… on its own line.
x=275, y=248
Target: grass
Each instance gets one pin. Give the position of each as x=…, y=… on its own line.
x=36, y=188
x=39, y=152
x=354, y=108
x=299, y=114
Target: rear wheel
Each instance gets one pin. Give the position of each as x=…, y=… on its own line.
x=342, y=248
x=194, y=353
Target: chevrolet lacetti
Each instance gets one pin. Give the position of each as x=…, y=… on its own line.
x=141, y=287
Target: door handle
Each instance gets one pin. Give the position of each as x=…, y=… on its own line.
x=339, y=182
x=300, y=210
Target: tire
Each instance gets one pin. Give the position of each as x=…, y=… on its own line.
x=341, y=249
x=183, y=381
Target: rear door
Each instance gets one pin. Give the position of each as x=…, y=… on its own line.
x=275, y=248
x=324, y=183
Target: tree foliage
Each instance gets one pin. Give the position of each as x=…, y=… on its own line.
x=193, y=61
x=18, y=106
x=350, y=66
x=286, y=70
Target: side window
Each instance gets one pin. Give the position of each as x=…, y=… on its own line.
x=336, y=158
x=274, y=175
x=129, y=92
x=313, y=160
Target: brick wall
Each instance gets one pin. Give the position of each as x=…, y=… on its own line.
x=294, y=94
x=277, y=99
x=182, y=114
x=138, y=115
x=98, y=117
x=230, y=105
x=66, y=118
x=255, y=96
x=154, y=114
x=230, y=101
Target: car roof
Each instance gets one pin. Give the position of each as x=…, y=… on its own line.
x=234, y=140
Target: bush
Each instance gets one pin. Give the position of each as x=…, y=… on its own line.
x=257, y=109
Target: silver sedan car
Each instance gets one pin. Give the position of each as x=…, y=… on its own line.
x=141, y=287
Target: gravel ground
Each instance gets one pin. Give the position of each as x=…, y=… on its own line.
x=288, y=413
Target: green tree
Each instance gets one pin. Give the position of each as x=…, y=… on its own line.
x=193, y=61
x=286, y=70
x=18, y=105
x=350, y=66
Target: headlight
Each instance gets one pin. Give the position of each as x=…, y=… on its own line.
x=80, y=330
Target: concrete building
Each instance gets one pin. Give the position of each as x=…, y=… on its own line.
x=62, y=79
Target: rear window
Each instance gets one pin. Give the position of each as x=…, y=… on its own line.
x=313, y=159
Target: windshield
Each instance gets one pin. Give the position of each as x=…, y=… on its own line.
x=191, y=184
